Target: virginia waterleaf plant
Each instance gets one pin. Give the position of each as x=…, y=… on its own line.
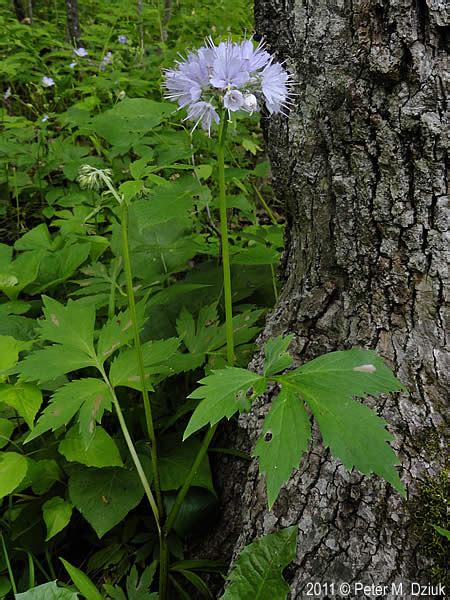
x=213, y=85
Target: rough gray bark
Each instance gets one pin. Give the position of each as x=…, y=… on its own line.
x=361, y=167
x=73, y=23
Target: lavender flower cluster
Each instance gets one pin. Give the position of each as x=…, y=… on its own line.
x=231, y=76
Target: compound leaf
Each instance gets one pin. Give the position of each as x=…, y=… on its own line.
x=353, y=432
x=223, y=393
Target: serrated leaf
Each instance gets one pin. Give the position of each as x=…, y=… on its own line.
x=276, y=357
x=13, y=468
x=52, y=362
x=353, y=432
x=285, y=435
x=156, y=356
x=257, y=573
x=71, y=325
x=9, y=351
x=97, y=399
x=47, y=591
x=57, y=513
x=141, y=590
x=101, y=452
x=67, y=401
x=223, y=394
x=104, y=496
x=82, y=582
x=118, y=332
x=25, y=398
x=206, y=334
x=197, y=336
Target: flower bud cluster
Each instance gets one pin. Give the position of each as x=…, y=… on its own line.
x=231, y=76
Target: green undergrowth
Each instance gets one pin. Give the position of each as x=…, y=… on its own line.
x=61, y=243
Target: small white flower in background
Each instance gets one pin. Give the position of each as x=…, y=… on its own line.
x=47, y=81
x=81, y=52
x=44, y=118
x=7, y=94
x=106, y=60
x=228, y=76
x=121, y=95
x=73, y=65
x=122, y=39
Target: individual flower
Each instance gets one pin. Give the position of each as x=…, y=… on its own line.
x=44, y=119
x=7, y=94
x=203, y=112
x=73, y=65
x=233, y=100
x=253, y=58
x=122, y=39
x=81, y=52
x=229, y=68
x=274, y=84
x=47, y=81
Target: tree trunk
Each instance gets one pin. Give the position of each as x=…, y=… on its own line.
x=361, y=167
x=19, y=10
x=73, y=23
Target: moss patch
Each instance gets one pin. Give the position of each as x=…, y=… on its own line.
x=430, y=507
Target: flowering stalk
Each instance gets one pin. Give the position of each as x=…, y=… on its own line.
x=224, y=242
x=140, y=359
x=164, y=558
x=98, y=178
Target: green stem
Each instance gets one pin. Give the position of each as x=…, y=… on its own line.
x=188, y=481
x=163, y=571
x=133, y=453
x=140, y=359
x=224, y=241
x=8, y=567
x=265, y=206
